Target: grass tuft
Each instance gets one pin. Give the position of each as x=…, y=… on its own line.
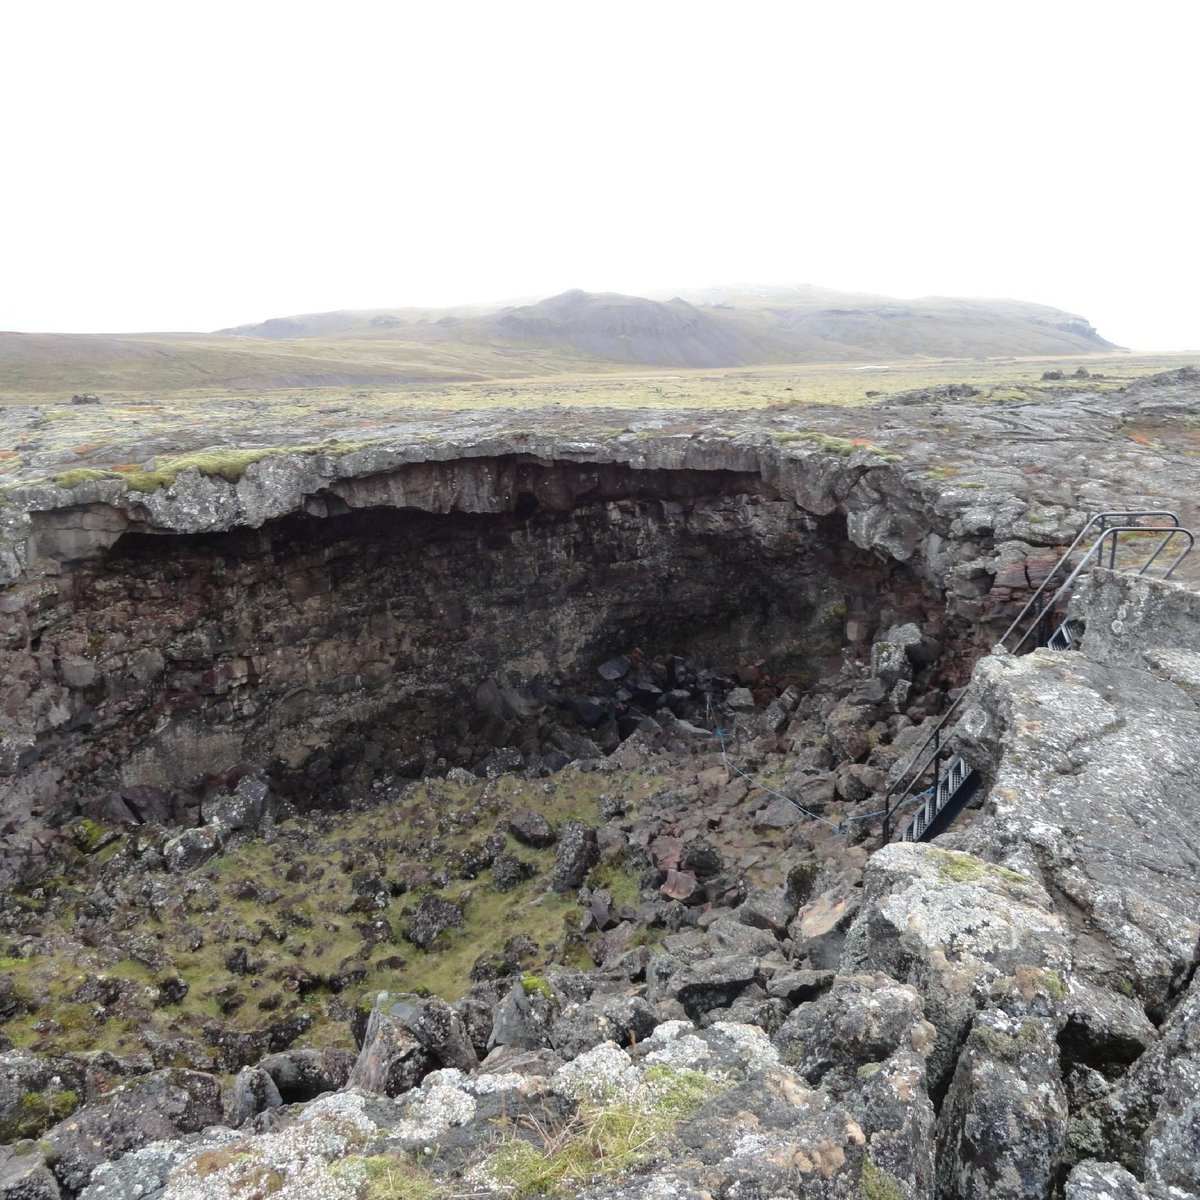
x=601, y=1139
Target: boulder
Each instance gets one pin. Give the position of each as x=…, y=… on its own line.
x=304, y=1074
x=508, y=872
x=26, y=1177
x=577, y=852
x=1151, y=1117
x=767, y=910
x=243, y=808
x=1103, y=1181
x=150, y=1108
x=1077, y=799
x=1003, y=1125
x=251, y=1092
x=818, y=932
x=712, y=983
x=522, y=1018
x=890, y=664
x=919, y=899
x=679, y=885
x=861, y=1022
x=798, y=986
x=36, y=1091
x=701, y=858
x=625, y=1020
x=601, y=911
x=407, y=1036
x=193, y=847
x=430, y=918
x=614, y=668
x=531, y=829
x=847, y=728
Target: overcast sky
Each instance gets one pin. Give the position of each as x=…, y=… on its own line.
x=181, y=165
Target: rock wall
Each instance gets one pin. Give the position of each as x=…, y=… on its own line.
x=374, y=629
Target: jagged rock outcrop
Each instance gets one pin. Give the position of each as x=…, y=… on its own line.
x=1093, y=778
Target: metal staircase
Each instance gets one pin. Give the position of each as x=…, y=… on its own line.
x=939, y=779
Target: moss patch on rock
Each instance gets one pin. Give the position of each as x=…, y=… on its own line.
x=292, y=928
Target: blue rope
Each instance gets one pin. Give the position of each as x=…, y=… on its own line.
x=732, y=766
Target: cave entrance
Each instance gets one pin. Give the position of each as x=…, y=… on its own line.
x=390, y=643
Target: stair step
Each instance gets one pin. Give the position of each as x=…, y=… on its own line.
x=1064, y=637
x=957, y=775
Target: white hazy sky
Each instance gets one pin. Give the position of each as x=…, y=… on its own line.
x=183, y=165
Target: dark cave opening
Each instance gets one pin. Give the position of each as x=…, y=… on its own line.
x=380, y=643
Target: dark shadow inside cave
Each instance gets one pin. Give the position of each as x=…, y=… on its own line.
x=376, y=643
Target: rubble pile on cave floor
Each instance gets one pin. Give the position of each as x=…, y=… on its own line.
x=262, y=926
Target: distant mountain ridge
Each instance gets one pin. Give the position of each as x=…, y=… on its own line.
x=719, y=327
x=573, y=333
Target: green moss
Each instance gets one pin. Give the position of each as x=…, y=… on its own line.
x=228, y=462
x=535, y=985
x=1008, y=1047
x=878, y=1184
x=319, y=917
x=678, y=1093
x=956, y=867
x=80, y=475
x=88, y=835
x=960, y=868
x=616, y=878
x=801, y=879
x=999, y=1045
x=36, y=1112
x=1122, y=985
x=1054, y=984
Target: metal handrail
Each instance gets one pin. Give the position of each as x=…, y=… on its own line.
x=1102, y=519
x=1096, y=549
x=903, y=784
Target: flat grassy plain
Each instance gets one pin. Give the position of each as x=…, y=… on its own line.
x=54, y=382
x=142, y=433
